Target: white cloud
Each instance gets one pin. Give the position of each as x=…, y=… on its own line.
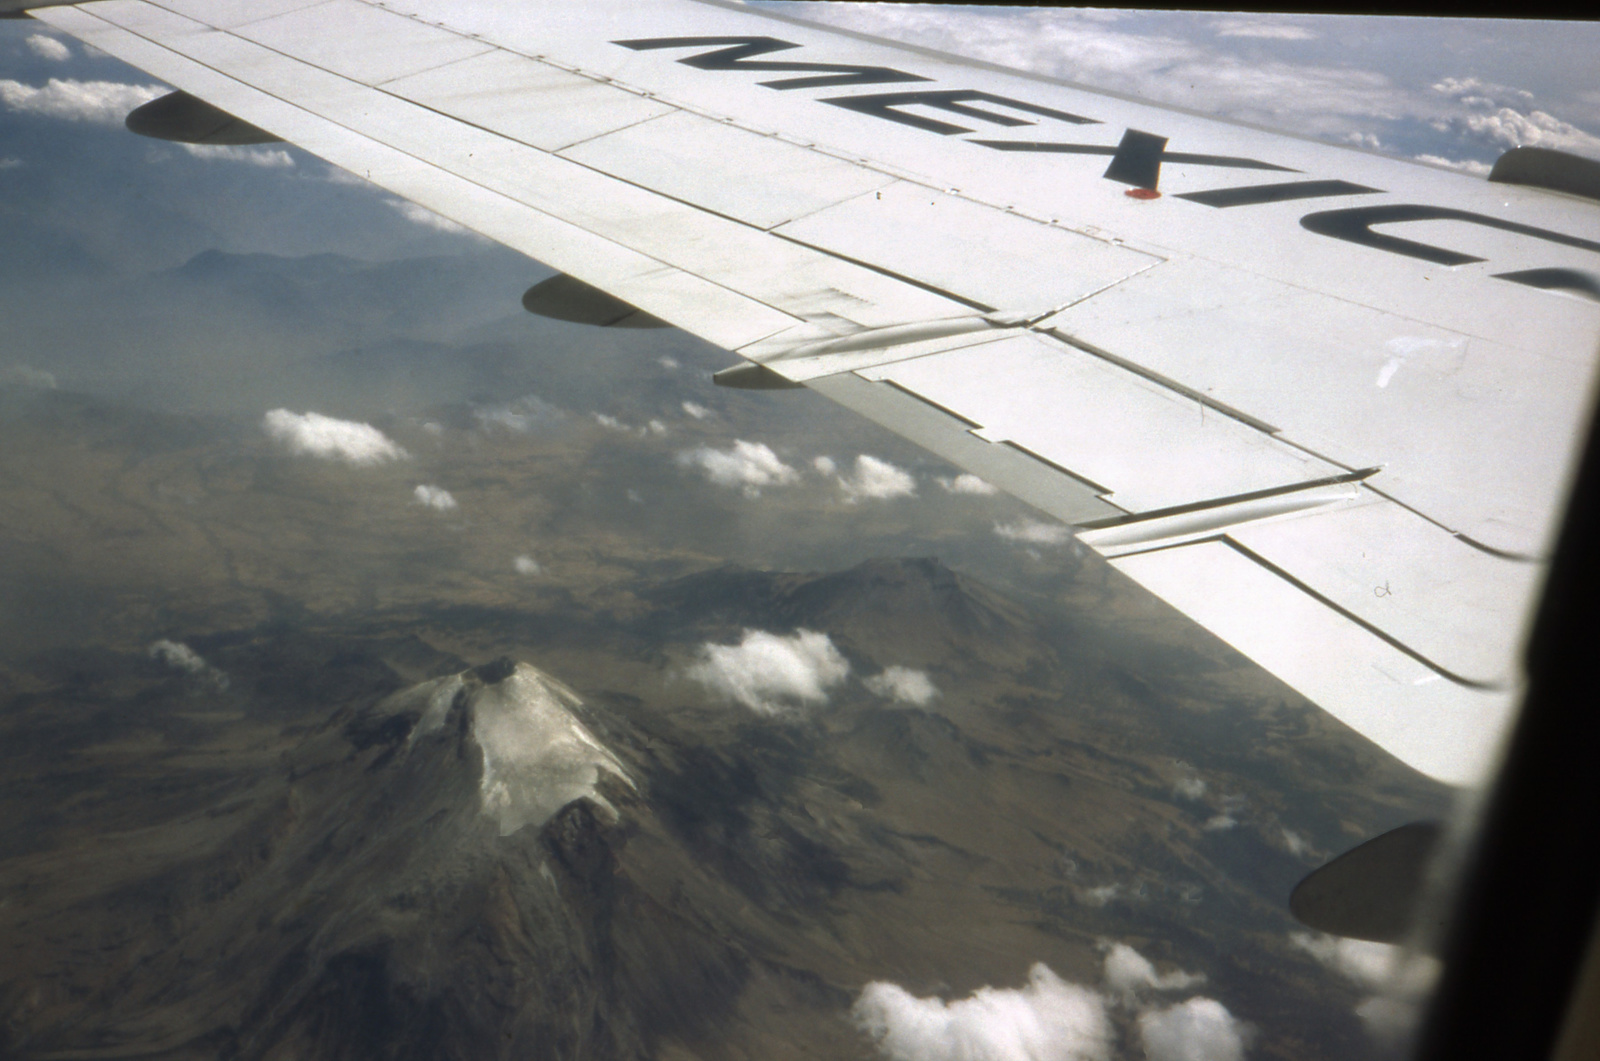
x=1397, y=979
x=1127, y=973
x=1388, y=1020
x=266, y=157
x=315, y=435
x=521, y=415
x=696, y=410
x=1032, y=532
x=902, y=684
x=434, y=497
x=178, y=656
x=671, y=365
x=1220, y=822
x=1506, y=127
x=1048, y=1019
x=526, y=565
x=1189, y=786
x=1263, y=30
x=1200, y=1029
x=421, y=215
x=7, y=162
x=26, y=376
x=1364, y=963
x=876, y=479
x=49, y=48
x=1101, y=895
x=611, y=423
x=1298, y=845
x=966, y=483
x=1477, y=169
x=101, y=102
x=769, y=673
x=749, y=466
x=824, y=465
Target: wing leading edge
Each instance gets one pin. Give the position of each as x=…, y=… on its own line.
x=1317, y=399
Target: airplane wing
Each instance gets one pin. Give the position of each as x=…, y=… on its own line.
x=1320, y=400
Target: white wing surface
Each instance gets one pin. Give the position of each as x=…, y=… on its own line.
x=1321, y=400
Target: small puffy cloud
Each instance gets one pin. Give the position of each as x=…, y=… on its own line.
x=1364, y=963
x=180, y=657
x=421, y=215
x=1390, y=1021
x=1033, y=532
x=315, y=435
x=1128, y=973
x=902, y=684
x=1298, y=845
x=695, y=410
x=1189, y=786
x=748, y=466
x=824, y=465
x=434, y=497
x=876, y=479
x=266, y=157
x=1048, y=1019
x=522, y=415
x=1200, y=1029
x=769, y=673
x=100, y=102
x=526, y=565
x=51, y=48
x=671, y=365
x=1398, y=980
x=966, y=483
x=1101, y=895
x=24, y=376
x=656, y=427
x=1220, y=822
x=611, y=423
x=8, y=162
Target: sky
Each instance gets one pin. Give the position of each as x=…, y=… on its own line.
x=89, y=212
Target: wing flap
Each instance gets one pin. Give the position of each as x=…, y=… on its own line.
x=1447, y=730
x=1145, y=446
x=1440, y=408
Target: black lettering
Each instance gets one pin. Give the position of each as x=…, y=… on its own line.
x=885, y=106
x=1137, y=159
x=1354, y=225
x=1255, y=194
x=738, y=53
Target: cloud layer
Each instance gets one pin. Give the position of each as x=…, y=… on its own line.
x=771, y=674
x=315, y=435
x=100, y=102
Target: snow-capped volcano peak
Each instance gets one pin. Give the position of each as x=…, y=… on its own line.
x=537, y=756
